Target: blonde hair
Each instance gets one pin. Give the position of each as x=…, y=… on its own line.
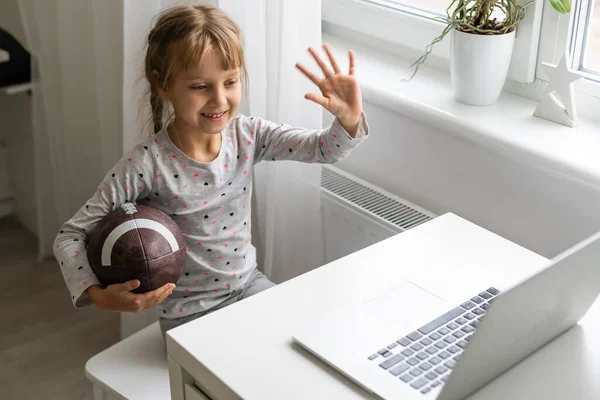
x=181, y=37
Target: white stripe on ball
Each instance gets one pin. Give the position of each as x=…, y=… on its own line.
x=135, y=224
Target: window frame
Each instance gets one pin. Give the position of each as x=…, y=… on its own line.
x=559, y=34
x=584, y=9
x=389, y=26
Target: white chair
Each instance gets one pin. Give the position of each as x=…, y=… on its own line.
x=134, y=368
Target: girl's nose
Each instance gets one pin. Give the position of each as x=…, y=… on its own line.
x=219, y=98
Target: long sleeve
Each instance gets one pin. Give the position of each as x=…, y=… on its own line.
x=130, y=179
x=276, y=142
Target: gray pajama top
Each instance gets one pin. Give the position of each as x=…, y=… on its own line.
x=210, y=202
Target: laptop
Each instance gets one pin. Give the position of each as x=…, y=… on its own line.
x=384, y=346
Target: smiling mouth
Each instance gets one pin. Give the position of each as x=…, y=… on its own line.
x=214, y=116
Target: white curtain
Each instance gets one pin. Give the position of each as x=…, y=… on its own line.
x=76, y=103
x=277, y=34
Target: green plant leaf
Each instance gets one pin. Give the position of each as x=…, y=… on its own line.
x=562, y=6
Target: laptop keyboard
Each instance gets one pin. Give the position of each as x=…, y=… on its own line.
x=424, y=358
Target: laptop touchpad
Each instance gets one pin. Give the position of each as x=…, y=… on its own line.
x=407, y=301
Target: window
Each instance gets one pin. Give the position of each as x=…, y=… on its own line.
x=432, y=6
x=399, y=25
x=578, y=34
x=413, y=24
x=590, y=44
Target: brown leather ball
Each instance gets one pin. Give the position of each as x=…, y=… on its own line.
x=137, y=242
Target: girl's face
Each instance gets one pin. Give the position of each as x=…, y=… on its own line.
x=205, y=99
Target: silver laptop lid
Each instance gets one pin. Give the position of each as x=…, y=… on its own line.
x=527, y=316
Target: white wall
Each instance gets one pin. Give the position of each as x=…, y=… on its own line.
x=536, y=208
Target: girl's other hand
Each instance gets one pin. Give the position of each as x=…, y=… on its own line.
x=119, y=297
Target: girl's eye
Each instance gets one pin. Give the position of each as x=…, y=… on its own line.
x=201, y=87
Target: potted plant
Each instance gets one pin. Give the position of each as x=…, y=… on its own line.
x=482, y=41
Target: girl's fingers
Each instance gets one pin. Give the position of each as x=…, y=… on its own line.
x=316, y=80
x=317, y=98
x=163, y=297
x=336, y=69
x=153, y=297
x=324, y=68
x=351, y=55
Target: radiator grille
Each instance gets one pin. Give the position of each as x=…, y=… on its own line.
x=386, y=207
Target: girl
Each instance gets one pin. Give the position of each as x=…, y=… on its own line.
x=198, y=166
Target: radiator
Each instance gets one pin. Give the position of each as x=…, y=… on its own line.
x=357, y=214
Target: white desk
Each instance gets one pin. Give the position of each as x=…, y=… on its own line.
x=246, y=351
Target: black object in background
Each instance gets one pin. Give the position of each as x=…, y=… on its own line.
x=18, y=69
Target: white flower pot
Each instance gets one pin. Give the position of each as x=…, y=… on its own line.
x=479, y=66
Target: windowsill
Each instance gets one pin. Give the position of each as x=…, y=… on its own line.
x=508, y=126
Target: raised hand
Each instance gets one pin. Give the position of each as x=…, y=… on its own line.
x=340, y=94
